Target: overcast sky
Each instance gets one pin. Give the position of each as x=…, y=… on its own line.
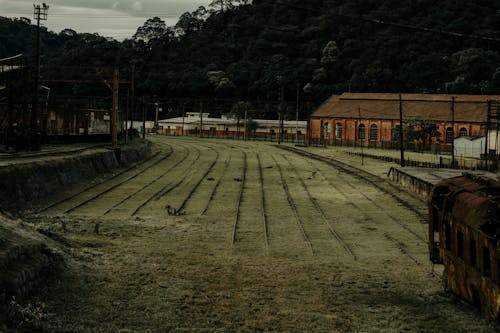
x=112, y=18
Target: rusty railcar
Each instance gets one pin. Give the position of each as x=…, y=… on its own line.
x=464, y=235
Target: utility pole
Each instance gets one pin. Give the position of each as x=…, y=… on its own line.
x=486, y=146
x=201, y=119
x=114, y=113
x=157, y=109
x=10, y=92
x=282, y=108
x=279, y=78
x=453, y=131
x=40, y=13
x=132, y=104
x=297, y=115
x=246, y=125
x=497, y=115
x=143, y=119
x=308, y=132
x=45, y=113
x=361, y=137
x=127, y=115
x=401, y=136
x=183, y=116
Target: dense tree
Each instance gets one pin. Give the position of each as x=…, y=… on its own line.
x=236, y=50
x=222, y=4
x=418, y=133
x=153, y=28
x=242, y=111
x=191, y=22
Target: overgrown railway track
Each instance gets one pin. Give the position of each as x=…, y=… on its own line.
x=156, y=158
x=181, y=179
x=164, y=190
x=150, y=183
x=293, y=206
x=380, y=185
x=200, y=180
x=355, y=269
x=401, y=196
x=240, y=197
x=335, y=234
x=217, y=185
x=263, y=202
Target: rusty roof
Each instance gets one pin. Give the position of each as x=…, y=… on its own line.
x=477, y=199
x=438, y=107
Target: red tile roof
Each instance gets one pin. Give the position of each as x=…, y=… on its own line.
x=468, y=108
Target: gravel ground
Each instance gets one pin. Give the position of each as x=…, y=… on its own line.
x=219, y=235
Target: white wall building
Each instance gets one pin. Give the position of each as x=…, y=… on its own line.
x=195, y=123
x=466, y=146
x=494, y=141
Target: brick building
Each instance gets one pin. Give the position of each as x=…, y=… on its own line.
x=370, y=119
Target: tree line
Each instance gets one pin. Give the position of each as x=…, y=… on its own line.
x=243, y=51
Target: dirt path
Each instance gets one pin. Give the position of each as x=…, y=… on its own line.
x=216, y=235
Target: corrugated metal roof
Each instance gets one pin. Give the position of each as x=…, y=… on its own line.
x=468, y=108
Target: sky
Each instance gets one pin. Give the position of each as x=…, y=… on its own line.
x=111, y=18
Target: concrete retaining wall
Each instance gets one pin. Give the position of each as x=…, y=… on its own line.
x=422, y=180
x=415, y=184
x=23, y=182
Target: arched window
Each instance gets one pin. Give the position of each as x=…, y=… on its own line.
x=338, y=131
x=327, y=130
x=463, y=131
x=373, y=132
x=361, y=132
x=449, y=135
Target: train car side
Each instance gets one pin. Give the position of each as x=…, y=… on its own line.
x=464, y=234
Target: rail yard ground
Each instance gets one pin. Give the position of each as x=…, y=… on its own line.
x=219, y=235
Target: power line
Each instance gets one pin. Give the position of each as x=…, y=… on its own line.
x=110, y=15
x=113, y=16
x=397, y=25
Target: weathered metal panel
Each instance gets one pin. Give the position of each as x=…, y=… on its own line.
x=464, y=211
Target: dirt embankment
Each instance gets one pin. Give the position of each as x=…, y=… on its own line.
x=27, y=257
x=33, y=179
x=27, y=260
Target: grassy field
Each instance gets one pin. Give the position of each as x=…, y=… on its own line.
x=219, y=235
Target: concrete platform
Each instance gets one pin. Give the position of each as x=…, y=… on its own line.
x=422, y=180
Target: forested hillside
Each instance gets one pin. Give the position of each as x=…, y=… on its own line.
x=246, y=52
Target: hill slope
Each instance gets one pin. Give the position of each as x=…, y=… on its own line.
x=324, y=46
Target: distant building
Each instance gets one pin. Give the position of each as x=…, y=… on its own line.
x=372, y=119
x=196, y=123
